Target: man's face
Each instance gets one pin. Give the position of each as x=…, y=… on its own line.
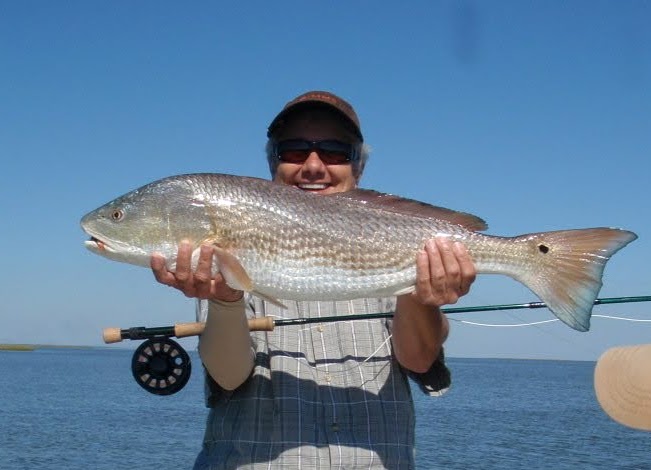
x=313, y=175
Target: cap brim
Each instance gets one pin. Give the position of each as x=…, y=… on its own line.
x=279, y=119
x=622, y=382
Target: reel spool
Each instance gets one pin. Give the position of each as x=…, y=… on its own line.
x=161, y=366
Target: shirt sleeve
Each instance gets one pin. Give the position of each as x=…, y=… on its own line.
x=437, y=380
x=201, y=310
x=213, y=392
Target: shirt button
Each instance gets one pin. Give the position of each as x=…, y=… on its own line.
x=328, y=378
x=319, y=328
x=335, y=427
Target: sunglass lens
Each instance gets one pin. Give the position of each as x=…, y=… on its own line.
x=331, y=152
x=294, y=156
x=330, y=157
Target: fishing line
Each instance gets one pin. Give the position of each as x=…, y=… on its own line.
x=343, y=370
x=556, y=336
x=612, y=317
x=503, y=325
x=285, y=321
x=512, y=325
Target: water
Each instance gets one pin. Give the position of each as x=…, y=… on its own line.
x=524, y=414
x=81, y=409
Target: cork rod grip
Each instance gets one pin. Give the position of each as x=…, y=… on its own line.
x=180, y=330
x=111, y=335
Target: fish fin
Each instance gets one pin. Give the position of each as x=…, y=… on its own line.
x=565, y=269
x=406, y=290
x=234, y=273
x=194, y=260
x=269, y=299
x=392, y=203
x=236, y=276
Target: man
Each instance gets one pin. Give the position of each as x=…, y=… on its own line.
x=333, y=395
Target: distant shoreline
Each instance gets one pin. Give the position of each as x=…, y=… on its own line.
x=32, y=347
x=17, y=347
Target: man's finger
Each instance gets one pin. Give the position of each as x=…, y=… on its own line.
x=203, y=273
x=450, y=263
x=158, y=267
x=466, y=266
x=184, y=263
x=422, y=275
x=438, y=279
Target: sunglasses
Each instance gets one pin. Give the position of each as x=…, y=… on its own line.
x=331, y=152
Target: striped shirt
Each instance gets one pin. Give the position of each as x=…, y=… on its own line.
x=320, y=396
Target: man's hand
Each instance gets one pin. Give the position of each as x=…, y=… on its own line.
x=444, y=272
x=198, y=284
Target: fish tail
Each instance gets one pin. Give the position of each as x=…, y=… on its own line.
x=566, y=269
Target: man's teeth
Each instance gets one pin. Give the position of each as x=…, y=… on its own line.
x=313, y=186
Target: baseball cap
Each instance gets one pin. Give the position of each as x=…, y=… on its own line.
x=622, y=382
x=316, y=97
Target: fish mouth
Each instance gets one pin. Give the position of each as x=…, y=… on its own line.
x=100, y=246
x=117, y=251
x=97, y=244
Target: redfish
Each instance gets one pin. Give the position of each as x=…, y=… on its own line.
x=279, y=242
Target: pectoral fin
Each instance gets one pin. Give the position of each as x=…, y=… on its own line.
x=406, y=290
x=236, y=276
x=234, y=273
x=276, y=302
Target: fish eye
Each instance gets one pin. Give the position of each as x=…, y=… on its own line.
x=117, y=215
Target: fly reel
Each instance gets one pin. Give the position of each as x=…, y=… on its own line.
x=161, y=366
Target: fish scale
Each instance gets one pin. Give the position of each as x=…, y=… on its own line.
x=283, y=243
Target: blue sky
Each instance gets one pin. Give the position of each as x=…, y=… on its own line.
x=533, y=115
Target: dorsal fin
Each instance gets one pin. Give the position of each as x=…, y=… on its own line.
x=401, y=205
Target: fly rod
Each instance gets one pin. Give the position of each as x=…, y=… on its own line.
x=161, y=366
x=182, y=330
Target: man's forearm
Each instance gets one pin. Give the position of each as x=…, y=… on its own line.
x=418, y=333
x=225, y=344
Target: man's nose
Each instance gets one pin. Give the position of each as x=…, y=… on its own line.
x=313, y=163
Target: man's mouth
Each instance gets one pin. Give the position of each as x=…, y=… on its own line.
x=312, y=186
